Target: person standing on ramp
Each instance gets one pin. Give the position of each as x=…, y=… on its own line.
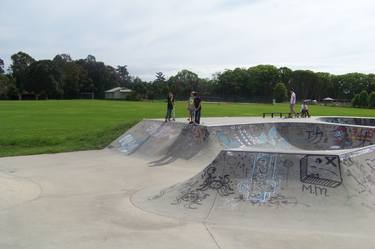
x=170, y=101
x=292, y=103
x=198, y=108
x=191, y=108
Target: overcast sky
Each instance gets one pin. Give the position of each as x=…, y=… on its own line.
x=205, y=36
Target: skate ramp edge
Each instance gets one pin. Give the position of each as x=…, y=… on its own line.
x=167, y=142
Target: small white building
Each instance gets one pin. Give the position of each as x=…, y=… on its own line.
x=117, y=93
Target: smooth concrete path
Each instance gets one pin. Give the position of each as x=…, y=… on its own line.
x=82, y=200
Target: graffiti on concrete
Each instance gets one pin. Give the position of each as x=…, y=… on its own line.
x=281, y=200
x=264, y=181
x=315, y=190
x=241, y=136
x=128, y=144
x=347, y=137
x=314, y=134
x=362, y=137
x=191, y=198
x=321, y=170
x=342, y=137
x=287, y=164
x=221, y=184
x=362, y=174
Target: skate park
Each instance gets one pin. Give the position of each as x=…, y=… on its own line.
x=227, y=183
x=187, y=124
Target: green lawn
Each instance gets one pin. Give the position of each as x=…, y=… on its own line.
x=33, y=127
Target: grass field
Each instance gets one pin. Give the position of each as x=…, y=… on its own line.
x=34, y=127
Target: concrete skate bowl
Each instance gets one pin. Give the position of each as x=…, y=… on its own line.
x=163, y=143
x=15, y=191
x=349, y=120
x=322, y=193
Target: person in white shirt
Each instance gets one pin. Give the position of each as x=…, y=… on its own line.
x=292, y=102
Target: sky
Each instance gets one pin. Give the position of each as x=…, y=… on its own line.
x=205, y=36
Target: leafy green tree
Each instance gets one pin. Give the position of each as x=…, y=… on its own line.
x=324, y=87
x=100, y=76
x=4, y=86
x=280, y=92
x=72, y=74
x=125, y=78
x=183, y=82
x=371, y=100
x=1, y=66
x=355, y=101
x=350, y=84
x=285, y=75
x=20, y=63
x=363, y=99
x=44, y=79
x=305, y=84
x=159, y=87
x=263, y=78
x=160, y=77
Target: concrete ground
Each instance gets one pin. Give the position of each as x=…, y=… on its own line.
x=83, y=200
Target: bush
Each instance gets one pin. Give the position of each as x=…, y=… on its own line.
x=363, y=99
x=371, y=100
x=280, y=92
x=355, y=101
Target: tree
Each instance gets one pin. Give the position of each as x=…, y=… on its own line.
x=355, y=101
x=280, y=92
x=20, y=63
x=305, y=84
x=159, y=87
x=371, y=100
x=44, y=79
x=72, y=78
x=4, y=86
x=350, y=84
x=101, y=77
x=264, y=78
x=183, y=83
x=160, y=77
x=125, y=78
x=324, y=87
x=62, y=58
x=363, y=99
x=90, y=59
x=1, y=66
x=285, y=75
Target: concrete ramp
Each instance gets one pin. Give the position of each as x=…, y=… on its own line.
x=323, y=192
x=163, y=143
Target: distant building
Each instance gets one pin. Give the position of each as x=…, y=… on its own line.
x=117, y=93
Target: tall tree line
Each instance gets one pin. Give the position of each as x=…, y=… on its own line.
x=65, y=78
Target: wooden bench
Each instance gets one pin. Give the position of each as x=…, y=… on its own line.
x=280, y=114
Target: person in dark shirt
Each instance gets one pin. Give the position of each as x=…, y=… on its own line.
x=170, y=104
x=198, y=108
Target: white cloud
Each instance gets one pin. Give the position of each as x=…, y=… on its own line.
x=204, y=36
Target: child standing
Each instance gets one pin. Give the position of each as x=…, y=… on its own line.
x=198, y=108
x=170, y=103
x=191, y=108
x=305, y=110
